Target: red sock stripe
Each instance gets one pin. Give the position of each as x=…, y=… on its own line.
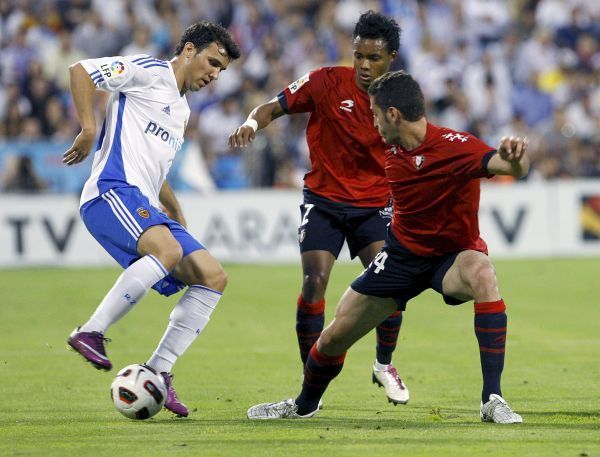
x=323, y=359
x=490, y=330
x=396, y=314
x=311, y=308
x=491, y=350
x=490, y=307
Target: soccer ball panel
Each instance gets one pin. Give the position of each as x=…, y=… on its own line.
x=138, y=392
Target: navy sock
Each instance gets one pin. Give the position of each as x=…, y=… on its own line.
x=310, y=318
x=387, y=337
x=319, y=371
x=490, y=329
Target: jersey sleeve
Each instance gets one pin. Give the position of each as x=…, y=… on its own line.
x=471, y=156
x=301, y=96
x=117, y=74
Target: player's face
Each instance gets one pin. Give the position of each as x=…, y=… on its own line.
x=371, y=60
x=385, y=127
x=205, y=66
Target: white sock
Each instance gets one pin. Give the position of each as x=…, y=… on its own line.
x=381, y=366
x=188, y=319
x=130, y=288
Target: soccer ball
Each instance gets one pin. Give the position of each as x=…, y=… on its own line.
x=138, y=392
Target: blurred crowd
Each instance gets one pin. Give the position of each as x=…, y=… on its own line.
x=491, y=67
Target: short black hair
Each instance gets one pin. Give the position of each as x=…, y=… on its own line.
x=400, y=90
x=375, y=25
x=202, y=34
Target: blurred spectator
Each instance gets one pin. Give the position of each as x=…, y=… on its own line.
x=486, y=66
x=21, y=177
x=57, y=61
x=141, y=43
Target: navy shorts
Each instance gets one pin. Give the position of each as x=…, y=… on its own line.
x=117, y=218
x=399, y=274
x=326, y=224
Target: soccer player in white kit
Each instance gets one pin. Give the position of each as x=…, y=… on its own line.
x=121, y=202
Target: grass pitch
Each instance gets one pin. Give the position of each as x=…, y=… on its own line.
x=53, y=404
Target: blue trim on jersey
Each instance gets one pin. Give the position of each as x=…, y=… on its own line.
x=114, y=171
x=198, y=286
x=142, y=58
x=93, y=74
x=156, y=65
x=146, y=61
x=101, y=137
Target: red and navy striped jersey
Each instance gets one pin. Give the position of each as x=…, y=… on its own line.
x=435, y=190
x=347, y=153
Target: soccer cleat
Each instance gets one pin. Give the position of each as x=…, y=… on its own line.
x=172, y=403
x=395, y=389
x=286, y=409
x=91, y=346
x=497, y=410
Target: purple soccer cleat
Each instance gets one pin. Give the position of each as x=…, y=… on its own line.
x=91, y=346
x=172, y=403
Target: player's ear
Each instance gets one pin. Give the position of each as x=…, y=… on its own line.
x=394, y=114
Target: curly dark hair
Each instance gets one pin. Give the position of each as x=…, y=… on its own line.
x=400, y=90
x=375, y=25
x=202, y=34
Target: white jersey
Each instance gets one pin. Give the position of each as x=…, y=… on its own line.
x=144, y=125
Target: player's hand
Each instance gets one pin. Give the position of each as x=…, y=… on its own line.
x=512, y=149
x=80, y=149
x=241, y=137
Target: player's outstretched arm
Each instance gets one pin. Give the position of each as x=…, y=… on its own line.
x=259, y=118
x=82, y=91
x=511, y=158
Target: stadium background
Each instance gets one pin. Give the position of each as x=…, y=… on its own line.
x=491, y=67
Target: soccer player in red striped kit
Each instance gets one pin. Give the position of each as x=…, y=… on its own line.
x=346, y=196
x=434, y=242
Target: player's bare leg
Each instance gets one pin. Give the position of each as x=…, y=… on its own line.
x=355, y=316
x=384, y=374
x=207, y=280
x=160, y=253
x=472, y=276
x=310, y=312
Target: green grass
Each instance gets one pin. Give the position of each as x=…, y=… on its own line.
x=53, y=404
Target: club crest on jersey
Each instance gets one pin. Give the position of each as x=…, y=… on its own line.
x=418, y=161
x=347, y=105
x=299, y=83
x=143, y=212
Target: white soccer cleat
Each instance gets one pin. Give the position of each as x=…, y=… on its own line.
x=497, y=410
x=286, y=409
x=395, y=389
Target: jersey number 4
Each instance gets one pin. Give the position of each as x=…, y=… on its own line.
x=379, y=261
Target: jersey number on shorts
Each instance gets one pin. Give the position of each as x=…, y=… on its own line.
x=379, y=261
x=308, y=207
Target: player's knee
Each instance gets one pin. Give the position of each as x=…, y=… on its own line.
x=332, y=341
x=170, y=255
x=483, y=279
x=216, y=278
x=315, y=283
